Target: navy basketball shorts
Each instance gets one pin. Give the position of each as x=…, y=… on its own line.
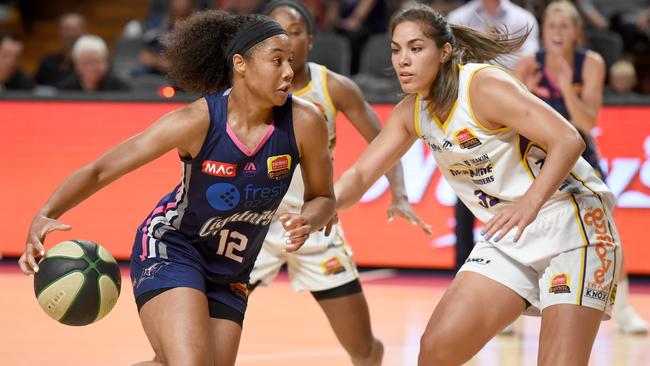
x=158, y=266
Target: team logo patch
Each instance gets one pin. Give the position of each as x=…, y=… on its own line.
x=250, y=170
x=278, y=166
x=219, y=169
x=560, y=284
x=149, y=272
x=222, y=196
x=466, y=139
x=239, y=288
x=332, y=266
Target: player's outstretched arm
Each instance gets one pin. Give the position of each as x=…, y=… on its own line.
x=183, y=129
x=382, y=154
x=316, y=165
x=348, y=98
x=501, y=101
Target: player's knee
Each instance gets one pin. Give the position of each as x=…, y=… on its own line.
x=435, y=350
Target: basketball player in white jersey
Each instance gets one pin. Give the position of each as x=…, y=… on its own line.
x=324, y=265
x=550, y=246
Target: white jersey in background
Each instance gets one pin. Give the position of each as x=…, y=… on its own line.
x=323, y=262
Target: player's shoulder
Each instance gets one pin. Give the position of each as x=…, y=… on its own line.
x=305, y=111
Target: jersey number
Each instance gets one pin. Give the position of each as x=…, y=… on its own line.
x=238, y=242
x=485, y=199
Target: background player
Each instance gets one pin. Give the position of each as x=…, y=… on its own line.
x=324, y=265
x=192, y=256
x=549, y=245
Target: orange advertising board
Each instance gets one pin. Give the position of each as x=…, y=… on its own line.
x=43, y=142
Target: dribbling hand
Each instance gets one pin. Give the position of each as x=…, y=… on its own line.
x=40, y=227
x=297, y=231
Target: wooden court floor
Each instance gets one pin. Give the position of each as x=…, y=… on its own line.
x=282, y=328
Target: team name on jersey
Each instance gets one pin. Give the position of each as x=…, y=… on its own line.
x=213, y=225
x=219, y=169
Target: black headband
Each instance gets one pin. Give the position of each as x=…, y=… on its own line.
x=250, y=35
x=297, y=6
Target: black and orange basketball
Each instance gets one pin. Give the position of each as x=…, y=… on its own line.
x=78, y=282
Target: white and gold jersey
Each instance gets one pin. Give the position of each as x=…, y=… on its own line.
x=317, y=93
x=492, y=168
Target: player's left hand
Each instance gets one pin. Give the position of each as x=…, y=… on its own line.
x=401, y=207
x=297, y=231
x=520, y=215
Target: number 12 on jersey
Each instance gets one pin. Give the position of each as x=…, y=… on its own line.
x=231, y=241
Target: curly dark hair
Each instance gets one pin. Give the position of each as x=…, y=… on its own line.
x=196, y=50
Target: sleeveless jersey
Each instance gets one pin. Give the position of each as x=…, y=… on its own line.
x=220, y=212
x=553, y=97
x=315, y=92
x=492, y=168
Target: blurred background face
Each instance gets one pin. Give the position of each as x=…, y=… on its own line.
x=415, y=57
x=299, y=37
x=10, y=51
x=92, y=66
x=181, y=8
x=560, y=31
x=71, y=27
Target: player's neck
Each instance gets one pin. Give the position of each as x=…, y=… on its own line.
x=244, y=107
x=300, y=78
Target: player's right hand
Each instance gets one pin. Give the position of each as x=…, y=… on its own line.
x=39, y=228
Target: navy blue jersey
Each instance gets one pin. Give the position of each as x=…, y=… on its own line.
x=219, y=214
x=553, y=97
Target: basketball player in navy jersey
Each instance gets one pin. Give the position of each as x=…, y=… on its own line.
x=239, y=146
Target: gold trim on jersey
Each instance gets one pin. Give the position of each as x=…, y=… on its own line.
x=523, y=153
x=416, y=116
x=583, y=263
x=304, y=90
x=327, y=91
x=469, y=102
x=443, y=125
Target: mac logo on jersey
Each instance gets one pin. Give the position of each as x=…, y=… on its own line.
x=219, y=169
x=278, y=166
x=222, y=196
x=250, y=170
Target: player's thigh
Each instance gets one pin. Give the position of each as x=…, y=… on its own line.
x=227, y=305
x=472, y=310
x=226, y=334
x=567, y=334
x=177, y=324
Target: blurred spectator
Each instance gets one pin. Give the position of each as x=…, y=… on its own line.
x=150, y=57
x=55, y=67
x=622, y=79
x=11, y=76
x=357, y=20
x=504, y=16
x=444, y=6
x=159, y=9
x=90, y=56
x=242, y=7
x=629, y=18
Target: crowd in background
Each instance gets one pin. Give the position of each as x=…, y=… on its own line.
x=618, y=30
